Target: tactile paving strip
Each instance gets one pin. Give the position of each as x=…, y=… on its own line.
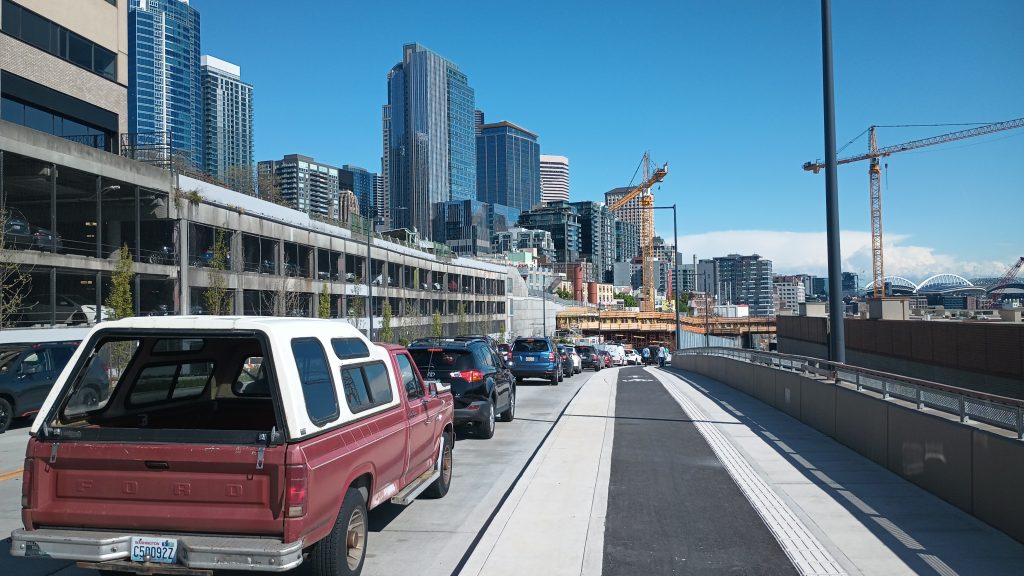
x=802, y=548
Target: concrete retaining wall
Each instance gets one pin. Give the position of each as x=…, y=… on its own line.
x=975, y=470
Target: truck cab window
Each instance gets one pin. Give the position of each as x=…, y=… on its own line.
x=413, y=385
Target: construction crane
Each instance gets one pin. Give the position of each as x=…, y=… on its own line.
x=643, y=191
x=996, y=289
x=874, y=173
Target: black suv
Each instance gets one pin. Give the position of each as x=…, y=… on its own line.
x=28, y=371
x=482, y=385
x=590, y=356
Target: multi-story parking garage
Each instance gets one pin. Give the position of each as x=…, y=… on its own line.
x=79, y=207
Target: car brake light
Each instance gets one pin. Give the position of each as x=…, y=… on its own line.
x=295, y=491
x=469, y=375
x=434, y=350
x=26, y=484
x=551, y=357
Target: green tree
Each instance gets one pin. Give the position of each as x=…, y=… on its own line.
x=216, y=294
x=325, y=302
x=386, y=332
x=15, y=282
x=436, y=328
x=462, y=326
x=628, y=300
x=120, y=297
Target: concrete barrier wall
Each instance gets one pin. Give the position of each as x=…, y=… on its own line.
x=997, y=470
x=976, y=471
x=933, y=453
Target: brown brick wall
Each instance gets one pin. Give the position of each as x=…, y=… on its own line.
x=33, y=64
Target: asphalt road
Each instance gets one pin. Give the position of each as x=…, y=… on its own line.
x=676, y=511
x=429, y=537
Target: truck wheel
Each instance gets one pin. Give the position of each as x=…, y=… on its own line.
x=6, y=415
x=440, y=486
x=341, y=553
x=485, y=429
x=510, y=413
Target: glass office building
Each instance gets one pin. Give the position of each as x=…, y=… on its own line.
x=508, y=166
x=361, y=182
x=429, y=138
x=165, y=92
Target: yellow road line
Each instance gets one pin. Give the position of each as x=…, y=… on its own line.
x=11, y=474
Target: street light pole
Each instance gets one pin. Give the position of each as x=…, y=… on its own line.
x=837, y=338
x=675, y=274
x=369, y=273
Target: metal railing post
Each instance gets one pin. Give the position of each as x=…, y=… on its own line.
x=1020, y=423
x=963, y=407
x=885, y=389
x=857, y=374
x=920, y=402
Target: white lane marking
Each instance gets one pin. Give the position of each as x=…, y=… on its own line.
x=805, y=551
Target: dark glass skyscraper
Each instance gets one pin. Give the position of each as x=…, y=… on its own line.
x=165, y=91
x=361, y=182
x=507, y=166
x=429, y=139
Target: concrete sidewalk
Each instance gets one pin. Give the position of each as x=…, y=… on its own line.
x=553, y=521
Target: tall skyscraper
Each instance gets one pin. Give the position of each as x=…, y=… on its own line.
x=165, y=93
x=554, y=178
x=507, y=166
x=429, y=138
x=382, y=201
x=631, y=211
x=305, y=184
x=227, y=123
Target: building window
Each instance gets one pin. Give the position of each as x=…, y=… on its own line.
x=48, y=36
x=17, y=112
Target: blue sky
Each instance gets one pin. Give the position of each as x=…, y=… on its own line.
x=728, y=93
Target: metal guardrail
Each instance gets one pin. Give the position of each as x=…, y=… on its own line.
x=965, y=404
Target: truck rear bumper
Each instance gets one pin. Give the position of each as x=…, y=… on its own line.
x=208, y=552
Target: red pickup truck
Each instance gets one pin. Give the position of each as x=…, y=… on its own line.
x=229, y=443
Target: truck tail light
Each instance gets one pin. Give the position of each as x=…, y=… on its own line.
x=295, y=491
x=26, y=484
x=469, y=375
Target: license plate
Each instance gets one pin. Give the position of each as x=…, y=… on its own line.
x=148, y=548
x=529, y=359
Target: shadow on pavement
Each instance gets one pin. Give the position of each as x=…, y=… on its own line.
x=925, y=548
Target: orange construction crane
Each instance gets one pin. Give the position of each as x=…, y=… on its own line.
x=643, y=190
x=874, y=172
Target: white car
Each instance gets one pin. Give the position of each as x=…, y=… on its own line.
x=633, y=357
x=577, y=362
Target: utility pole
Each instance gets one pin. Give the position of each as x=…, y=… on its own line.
x=837, y=339
x=675, y=274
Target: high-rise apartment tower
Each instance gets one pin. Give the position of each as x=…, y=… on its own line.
x=554, y=178
x=227, y=123
x=165, y=92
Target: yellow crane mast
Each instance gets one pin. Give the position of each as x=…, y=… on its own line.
x=643, y=190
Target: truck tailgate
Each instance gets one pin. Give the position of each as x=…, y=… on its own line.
x=156, y=487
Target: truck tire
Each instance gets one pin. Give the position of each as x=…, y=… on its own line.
x=341, y=553
x=439, y=487
x=485, y=428
x=6, y=415
x=510, y=413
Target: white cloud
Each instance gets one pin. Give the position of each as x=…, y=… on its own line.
x=805, y=252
